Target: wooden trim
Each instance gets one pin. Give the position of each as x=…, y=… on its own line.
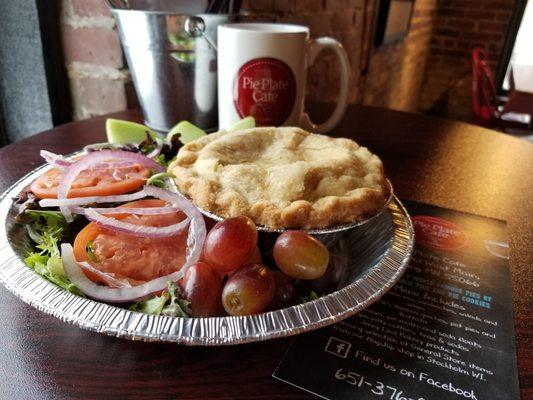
x=507, y=50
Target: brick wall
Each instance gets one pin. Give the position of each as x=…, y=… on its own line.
x=389, y=76
x=396, y=70
x=97, y=74
x=396, y=75
x=342, y=19
x=461, y=25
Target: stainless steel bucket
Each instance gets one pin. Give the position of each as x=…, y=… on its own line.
x=173, y=64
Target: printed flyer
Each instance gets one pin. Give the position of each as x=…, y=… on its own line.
x=445, y=331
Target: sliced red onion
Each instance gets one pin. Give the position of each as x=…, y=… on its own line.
x=197, y=230
x=60, y=162
x=56, y=160
x=195, y=242
x=108, y=278
x=32, y=234
x=95, y=158
x=105, y=293
x=128, y=210
x=157, y=150
x=133, y=229
x=114, y=165
x=80, y=201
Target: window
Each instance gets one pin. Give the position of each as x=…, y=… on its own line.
x=517, y=48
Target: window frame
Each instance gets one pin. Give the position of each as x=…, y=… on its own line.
x=507, y=49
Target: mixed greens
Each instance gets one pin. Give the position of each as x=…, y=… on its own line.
x=48, y=229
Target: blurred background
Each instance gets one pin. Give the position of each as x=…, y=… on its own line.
x=61, y=60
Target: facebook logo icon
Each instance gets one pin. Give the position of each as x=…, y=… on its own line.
x=338, y=347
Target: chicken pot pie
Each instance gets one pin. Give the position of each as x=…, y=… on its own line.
x=281, y=177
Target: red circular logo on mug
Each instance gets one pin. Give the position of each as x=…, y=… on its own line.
x=265, y=88
x=438, y=233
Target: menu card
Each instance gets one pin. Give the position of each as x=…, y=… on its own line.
x=445, y=331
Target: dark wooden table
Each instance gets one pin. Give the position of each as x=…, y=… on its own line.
x=441, y=162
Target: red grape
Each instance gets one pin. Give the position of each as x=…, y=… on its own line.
x=285, y=294
x=249, y=290
x=331, y=279
x=301, y=255
x=202, y=287
x=255, y=258
x=230, y=243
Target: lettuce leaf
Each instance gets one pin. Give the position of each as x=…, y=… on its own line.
x=178, y=307
x=157, y=305
x=153, y=305
x=310, y=297
x=46, y=229
x=51, y=268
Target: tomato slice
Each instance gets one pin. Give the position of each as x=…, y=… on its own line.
x=136, y=259
x=92, y=182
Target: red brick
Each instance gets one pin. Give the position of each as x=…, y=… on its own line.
x=313, y=6
x=480, y=14
x=503, y=16
x=462, y=24
x=342, y=22
x=450, y=12
x=466, y=3
x=447, y=32
x=90, y=8
x=453, y=53
x=450, y=43
x=493, y=48
x=498, y=5
x=340, y=5
x=485, y=36
x=258, y=5
x=92, y=45
x=92, y=96
x=492, y=27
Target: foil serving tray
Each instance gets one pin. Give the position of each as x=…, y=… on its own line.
x=378, y=254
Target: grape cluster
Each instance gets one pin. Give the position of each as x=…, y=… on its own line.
x=232, y=279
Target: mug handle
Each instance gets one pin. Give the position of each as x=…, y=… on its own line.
x=315, y=46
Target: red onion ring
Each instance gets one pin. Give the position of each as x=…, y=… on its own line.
x=197, y=229
x=127, y=210
x=108, y=278
x=135, y=230
x=94, y=158
x=56, y=160
x=108, y=294
x=195, y=242
x=80, y=201
x=60, y=162
x=114, y=165
x=157, y=150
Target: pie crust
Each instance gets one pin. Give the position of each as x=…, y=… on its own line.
x=281, y=177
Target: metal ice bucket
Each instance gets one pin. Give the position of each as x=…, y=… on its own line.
x=173, y=63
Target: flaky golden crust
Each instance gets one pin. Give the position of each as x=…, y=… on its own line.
x=281, y=177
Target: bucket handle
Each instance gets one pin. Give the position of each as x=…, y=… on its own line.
x=195, y=27
x=119, y=4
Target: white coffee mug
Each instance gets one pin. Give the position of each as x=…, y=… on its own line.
x=262, y=70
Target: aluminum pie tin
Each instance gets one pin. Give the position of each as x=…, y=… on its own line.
x=323, y=231
x=378, y=254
